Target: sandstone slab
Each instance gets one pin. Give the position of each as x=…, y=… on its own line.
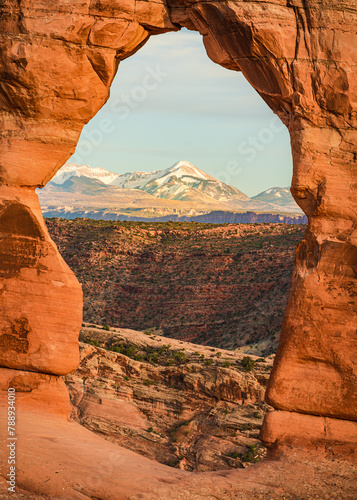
x=60, y=459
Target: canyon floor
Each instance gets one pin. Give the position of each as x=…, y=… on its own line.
x=221, y=285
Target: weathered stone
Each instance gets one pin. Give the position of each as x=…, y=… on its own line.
x=301, y=58
x=320, y=437
x=33, y=391
x=40, y=299
x=187, y=413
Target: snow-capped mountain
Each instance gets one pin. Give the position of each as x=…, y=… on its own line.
x=183, y=181
x=181, y=190
x=70, y=170
x=278, y=195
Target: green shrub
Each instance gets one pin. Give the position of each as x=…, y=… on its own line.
x=126, y=378
x=154, y=358
x=92, y=342
x=250, y=456
x=116, y=348
x=106, y=327
x=150, y=429
x=130, y=351
x=226, y=364
x=208, y=362
x=248, y=363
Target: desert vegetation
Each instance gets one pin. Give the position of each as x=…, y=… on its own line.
x=221, y=285
x=191, y=407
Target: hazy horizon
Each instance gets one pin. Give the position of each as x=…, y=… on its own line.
x=170, y=102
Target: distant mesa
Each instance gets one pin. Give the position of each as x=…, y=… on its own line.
x=182, y=191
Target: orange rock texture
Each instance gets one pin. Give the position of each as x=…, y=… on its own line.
x=192, y=407
x=57, y=62
x=40, y=299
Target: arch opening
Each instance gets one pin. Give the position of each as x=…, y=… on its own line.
x=287, y=58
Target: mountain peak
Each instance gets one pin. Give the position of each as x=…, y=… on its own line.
x=182, y=181
x=184, y=167
x=70, y=170
x=278, y=195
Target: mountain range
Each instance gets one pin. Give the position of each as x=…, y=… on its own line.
x=182, y=190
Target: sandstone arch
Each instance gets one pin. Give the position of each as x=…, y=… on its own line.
x=57, y=62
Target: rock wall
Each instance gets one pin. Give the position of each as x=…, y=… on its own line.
x=57, y=62
x=192, y=407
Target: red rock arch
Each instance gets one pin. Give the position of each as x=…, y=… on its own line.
x=57, y=62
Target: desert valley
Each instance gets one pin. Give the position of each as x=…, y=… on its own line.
x=220, y=285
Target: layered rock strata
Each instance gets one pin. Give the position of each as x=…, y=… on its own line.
x=57, y=62
x=193, y=407
x=225, y=286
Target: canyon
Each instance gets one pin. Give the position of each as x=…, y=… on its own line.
x=220, y=285
x=57, y=63
x=187, y=406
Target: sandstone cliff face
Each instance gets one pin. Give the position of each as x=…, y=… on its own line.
x=56, y=65
x=183, y=405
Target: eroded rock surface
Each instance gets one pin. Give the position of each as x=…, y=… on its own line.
x=40, y=298
x=57, y=62
x=187, y=406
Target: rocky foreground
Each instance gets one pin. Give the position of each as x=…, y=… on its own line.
x=191, y=407
x=223, y=285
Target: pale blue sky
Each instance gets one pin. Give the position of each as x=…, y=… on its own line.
x=170, y=102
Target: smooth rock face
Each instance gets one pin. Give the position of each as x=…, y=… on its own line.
x=58, y=459
x=33, y=391
x=40, y=299
x=325, y=437
x=57, y=62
